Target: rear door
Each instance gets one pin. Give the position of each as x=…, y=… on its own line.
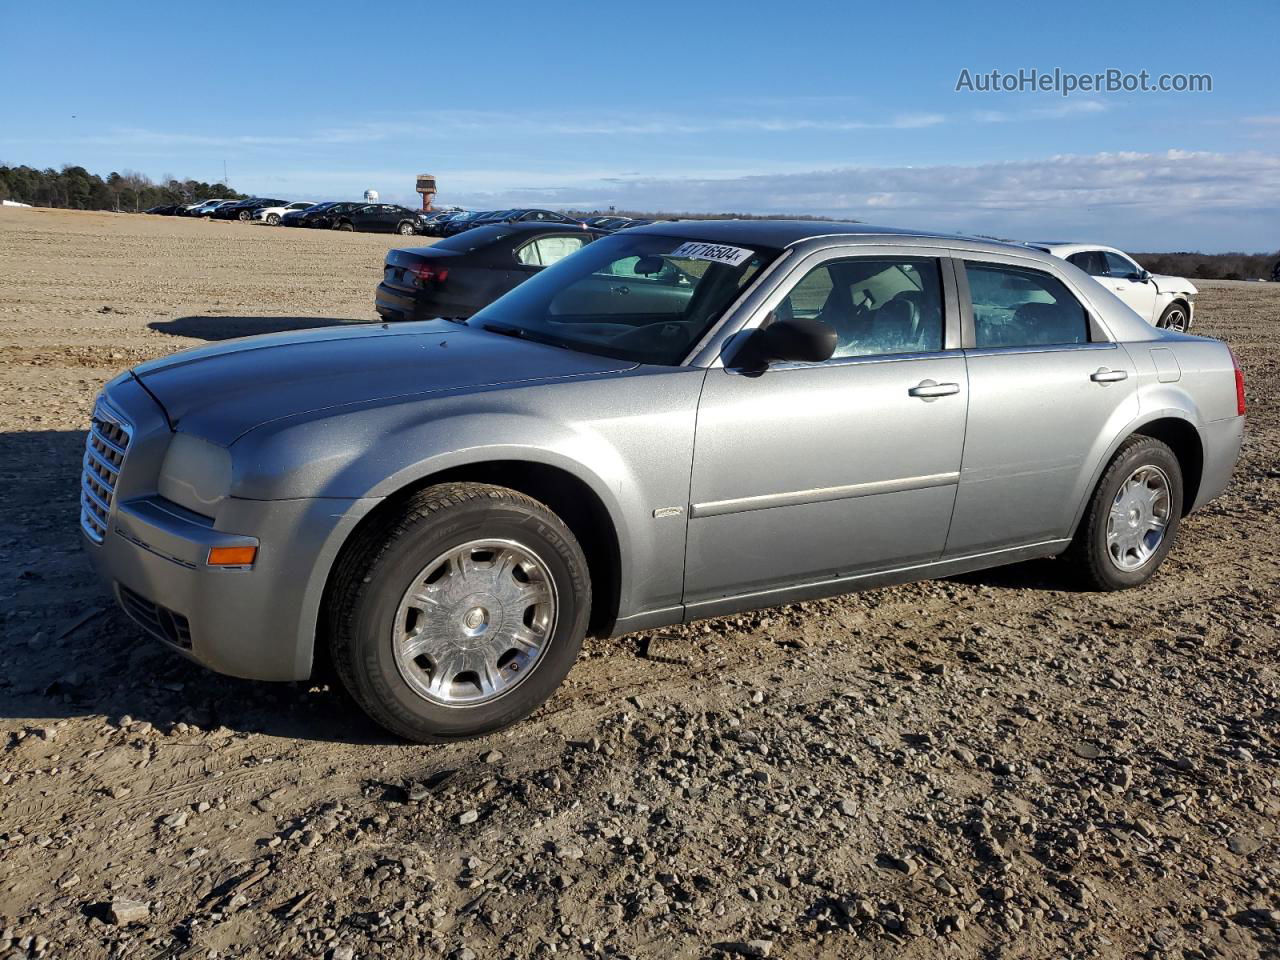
x=1047, y=392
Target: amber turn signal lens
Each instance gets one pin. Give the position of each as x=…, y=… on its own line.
x=232, y=556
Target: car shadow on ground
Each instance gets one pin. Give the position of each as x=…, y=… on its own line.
x=229, y=328
x=67, y=651
x=1048, y=573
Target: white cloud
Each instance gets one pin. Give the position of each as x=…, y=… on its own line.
x=1119, y=194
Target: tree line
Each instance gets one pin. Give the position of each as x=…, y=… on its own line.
x=75, y=188
x=1212, y=266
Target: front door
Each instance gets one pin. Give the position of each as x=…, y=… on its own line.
x=811, y=473
x=1139, y=295
x=1046, y=394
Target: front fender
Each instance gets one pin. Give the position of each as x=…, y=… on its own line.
x=630, y=440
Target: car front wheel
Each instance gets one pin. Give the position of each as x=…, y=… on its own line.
x=245, y=215
x=1132, y=518
x=405, y=229
x=460, y=613
x=343, y=226
x=273, y=218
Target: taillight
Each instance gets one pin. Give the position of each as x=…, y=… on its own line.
x=426, y=273
x=1239, y=385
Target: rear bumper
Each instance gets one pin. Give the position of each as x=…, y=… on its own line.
x=1222, y=440
x=255, y=622
x=396, y=304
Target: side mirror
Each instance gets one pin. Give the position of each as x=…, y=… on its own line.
x=1142, y=276
x=798, y=340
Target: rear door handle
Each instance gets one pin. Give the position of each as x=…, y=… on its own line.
x=1103, y=375
x=931, y=390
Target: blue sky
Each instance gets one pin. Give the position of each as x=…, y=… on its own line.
x=845, y=109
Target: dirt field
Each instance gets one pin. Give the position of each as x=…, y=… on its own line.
x=989, y=766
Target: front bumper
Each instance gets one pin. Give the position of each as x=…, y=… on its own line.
x=255, y=622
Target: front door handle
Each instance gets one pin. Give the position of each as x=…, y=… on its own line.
x=932, y=390
x=1103, y=375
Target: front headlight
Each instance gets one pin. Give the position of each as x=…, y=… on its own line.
x=195, y=474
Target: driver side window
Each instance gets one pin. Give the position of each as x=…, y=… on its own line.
x=876, y=306
x=1118, y=266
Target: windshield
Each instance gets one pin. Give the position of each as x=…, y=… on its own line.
x=638, y=297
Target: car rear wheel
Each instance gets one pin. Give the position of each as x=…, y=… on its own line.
x=460, y=614
x=405, y=229
x=1132, y=518
x=273, y=218
x=1174, y=318
x=245, y=215
x=344, y=225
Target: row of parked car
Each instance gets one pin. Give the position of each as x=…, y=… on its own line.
x=380, y=217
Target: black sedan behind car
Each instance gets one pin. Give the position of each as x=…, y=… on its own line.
x=379, y=218
x=457, y=276
x=322, y=215
x=244, y=210
x=463, y=221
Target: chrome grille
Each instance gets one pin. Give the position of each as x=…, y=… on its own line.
x=104, y=452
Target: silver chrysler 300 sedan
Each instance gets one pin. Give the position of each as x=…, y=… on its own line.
x=679, y=421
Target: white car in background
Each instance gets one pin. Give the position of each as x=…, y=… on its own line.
x=272, y=215
x=1162, y=301
x=198, y=208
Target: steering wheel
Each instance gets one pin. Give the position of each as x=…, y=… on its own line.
x=665, y=333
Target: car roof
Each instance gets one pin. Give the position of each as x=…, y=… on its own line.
x=786, y=233
x=1064, y=249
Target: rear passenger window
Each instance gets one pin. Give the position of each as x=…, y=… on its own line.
x=548, y=250
x=1018, y=307
x=1090, y=261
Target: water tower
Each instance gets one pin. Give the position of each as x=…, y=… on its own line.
x=426, y=187
x=371, y=196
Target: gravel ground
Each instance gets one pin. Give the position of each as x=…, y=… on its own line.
x=993, y=765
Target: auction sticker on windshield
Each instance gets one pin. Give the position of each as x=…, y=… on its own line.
x=715, y=252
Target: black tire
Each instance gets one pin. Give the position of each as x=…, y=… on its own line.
x=1089, y=552
x=273, y=218
x=244, y=216
x=405, y=229
x=1175, y=317
x=344, y=225
x=374, y=573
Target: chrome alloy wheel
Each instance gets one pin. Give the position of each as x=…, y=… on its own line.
x=1138, y=518
x=1176, y=319
x=474, y=623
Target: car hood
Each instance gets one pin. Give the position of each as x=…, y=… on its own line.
x=223, y=391
x=1167, y=284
